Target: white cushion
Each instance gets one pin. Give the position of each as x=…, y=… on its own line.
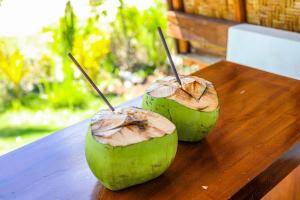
x=268, y=49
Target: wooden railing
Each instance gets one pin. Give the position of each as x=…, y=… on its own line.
x=199, y=29
x=203, y=33
x=200, y=26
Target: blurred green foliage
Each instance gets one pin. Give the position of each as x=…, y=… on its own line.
x=129, y=43
x=134, y=37
x=12, y=66
x=41, y=83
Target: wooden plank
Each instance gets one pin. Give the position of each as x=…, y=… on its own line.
x=210, y=41
x=200, y=60
x=288, y=188
x=240, y=11
x=169, y=4
x=182, y=46
x=259, y=123
x=198, y=28
x=268, y=179
x=177, y=5
x=206, y=47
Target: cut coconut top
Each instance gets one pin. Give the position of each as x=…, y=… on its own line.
x=195, y=93
x=129, y=126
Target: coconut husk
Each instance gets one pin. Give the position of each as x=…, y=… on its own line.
x=195, y=93
x=129, y=126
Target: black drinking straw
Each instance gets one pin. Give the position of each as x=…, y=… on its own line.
x=91, y=82
x=169, y=55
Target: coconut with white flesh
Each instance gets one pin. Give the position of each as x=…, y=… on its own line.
x=192, y=107
x=129, y=146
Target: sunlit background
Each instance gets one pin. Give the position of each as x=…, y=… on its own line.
x=41, y=91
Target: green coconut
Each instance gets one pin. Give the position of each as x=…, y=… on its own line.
x=129, y=147
x=193, y=108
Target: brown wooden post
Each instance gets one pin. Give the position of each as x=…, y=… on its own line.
x=177, y=5
x=240, y=11
x=169, y=3
x=182, y=46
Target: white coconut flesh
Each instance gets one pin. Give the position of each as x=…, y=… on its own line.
x=129, y=126
x=195, y=93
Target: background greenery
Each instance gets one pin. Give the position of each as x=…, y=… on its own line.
x=43, y=92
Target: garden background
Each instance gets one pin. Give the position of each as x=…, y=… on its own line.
x=41, y=90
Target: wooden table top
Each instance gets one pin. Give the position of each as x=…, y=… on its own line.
x=254, y=145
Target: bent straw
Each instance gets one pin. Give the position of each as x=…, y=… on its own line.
x=169, y=55
x=91, y=82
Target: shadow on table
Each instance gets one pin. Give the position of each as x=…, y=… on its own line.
x=165, y=185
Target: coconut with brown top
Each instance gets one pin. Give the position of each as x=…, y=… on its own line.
x=193, y=107
x=129, y=146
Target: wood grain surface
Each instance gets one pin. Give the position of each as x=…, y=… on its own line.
x=287, y=189
x=182, y=46
x=195, y=27
x=257, y=133
x=205, y=33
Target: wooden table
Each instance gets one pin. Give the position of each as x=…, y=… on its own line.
x=254, y=145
